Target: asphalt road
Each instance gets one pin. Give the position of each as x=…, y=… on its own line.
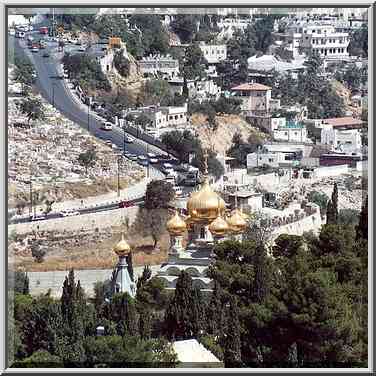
x=81, y=211
x=56, y=92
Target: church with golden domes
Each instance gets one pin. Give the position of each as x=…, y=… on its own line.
x=207, y=223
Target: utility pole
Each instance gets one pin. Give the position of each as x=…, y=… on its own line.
x=31, y=198
x=124, y=137
x=147, y=169
x=88, y=115
x=118, y=175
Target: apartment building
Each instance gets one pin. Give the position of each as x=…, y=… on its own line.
x=319, y=37
x=157, y=64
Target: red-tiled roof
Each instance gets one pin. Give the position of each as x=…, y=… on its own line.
x=252, y=87
x=343, y=121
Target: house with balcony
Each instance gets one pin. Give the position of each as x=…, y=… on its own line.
x=255, y=98
x=342, y=140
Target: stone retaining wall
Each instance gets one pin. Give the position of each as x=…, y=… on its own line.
x=99, y=220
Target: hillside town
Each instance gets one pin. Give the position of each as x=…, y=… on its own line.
x=188, y=189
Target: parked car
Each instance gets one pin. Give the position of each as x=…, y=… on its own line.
x=69, y=213
x=128, y=140
x=46, y=54
x=144, y=162
x=153, y=160
x=35, y=49
x=133, y=157
x=142, y=158
x=107, y=126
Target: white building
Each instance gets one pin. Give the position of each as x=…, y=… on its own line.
x=345, y=140
x=201, y=90
x=157, y=64
x=275, y=156
x=163, y=117
x=213, y=53
x=318, y=37
x=291, y=132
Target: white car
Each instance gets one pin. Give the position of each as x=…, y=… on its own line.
x=107, y=126
x=151, y=155
x=142, y=158
x=69, y=213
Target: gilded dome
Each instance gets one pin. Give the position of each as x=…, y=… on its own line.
x=122, y=248
x=176, y=225
x=219, y=227
x=237, y=222
x=205, y=204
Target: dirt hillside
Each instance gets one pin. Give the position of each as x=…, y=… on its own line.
x=221, y=139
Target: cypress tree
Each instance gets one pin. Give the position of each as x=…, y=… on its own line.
x=130, y=266
x=185, y=91
x=330, y=213
x=335, y=203
x=183, y=310
x=362, y=228
x=214, y=312
x=26, y=289
x=123, y=312
x=232, y=343
x=260, y=288
x=145, y=323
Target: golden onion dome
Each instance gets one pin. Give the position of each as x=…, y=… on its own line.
x=205, y=204
x=219, y=227
x=122, y=248
x=237, y=222
x=176, y=225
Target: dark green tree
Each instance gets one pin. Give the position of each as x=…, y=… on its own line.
x=158, y=195
x=330, y=213
x=87, y=159
x=181, y=314
x=362, y=228
x=194, y=63
x=33, y=109
x=232, y=342
x=335, y=201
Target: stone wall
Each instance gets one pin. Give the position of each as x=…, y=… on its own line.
x=310, y=223
x=41, y=282
x=83, y=221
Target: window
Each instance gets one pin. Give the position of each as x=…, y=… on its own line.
x=295, y=133
x=286, y=133
x=271, y=159
x=176, y=117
